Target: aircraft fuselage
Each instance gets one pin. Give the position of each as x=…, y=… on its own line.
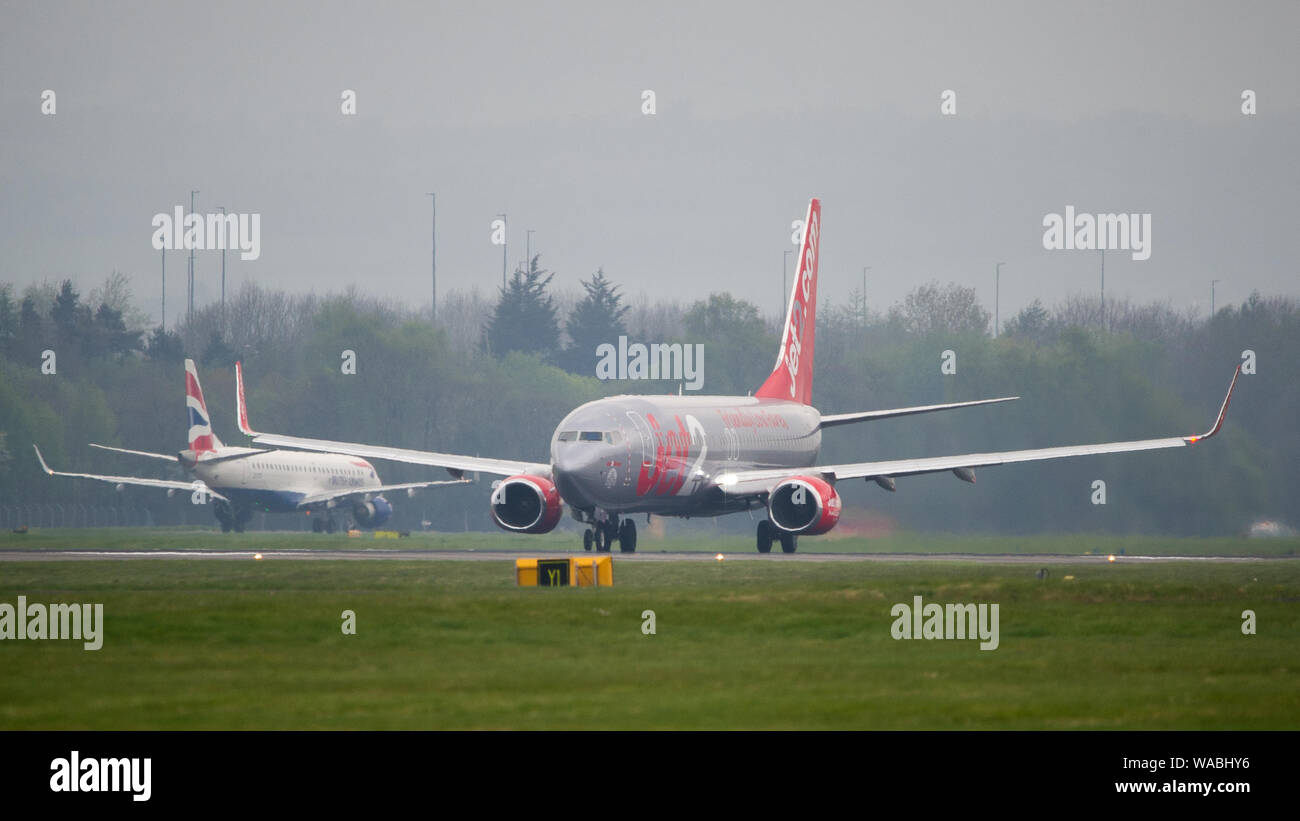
x=276, y=481
x=656, y=454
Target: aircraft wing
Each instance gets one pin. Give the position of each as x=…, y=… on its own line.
x=169, y=484
x=456, y=464
x=166, y=457
x=832, y=419
x=344, y=494
x=753, y=482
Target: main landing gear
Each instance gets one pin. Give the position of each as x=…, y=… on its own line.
x=231, y=518
x=768, y=533
x=601, y=535
x=323, y=524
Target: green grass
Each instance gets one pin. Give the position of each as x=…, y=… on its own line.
x=752, y=644
x=122, y=538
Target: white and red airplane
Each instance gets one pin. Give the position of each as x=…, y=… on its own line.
x=242, y=481
x=707, y=455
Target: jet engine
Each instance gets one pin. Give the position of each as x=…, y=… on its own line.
x=804, y=504
x=372, y=513
x=526, y=504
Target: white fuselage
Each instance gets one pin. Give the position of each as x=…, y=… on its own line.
x=279, y=480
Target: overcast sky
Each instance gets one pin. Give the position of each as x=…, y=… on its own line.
x=535, y=110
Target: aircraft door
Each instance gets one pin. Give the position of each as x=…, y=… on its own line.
x=646, y=440
x=251, y=473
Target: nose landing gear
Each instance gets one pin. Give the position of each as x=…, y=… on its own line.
x=627, y=536
x=602, y=535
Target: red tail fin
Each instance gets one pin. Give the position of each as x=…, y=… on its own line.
x=792, y=376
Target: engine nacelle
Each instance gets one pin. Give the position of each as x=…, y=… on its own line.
x=373, y=513
x=526, y=504
x=804, y=504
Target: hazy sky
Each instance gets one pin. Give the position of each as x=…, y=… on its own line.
x=535, y=110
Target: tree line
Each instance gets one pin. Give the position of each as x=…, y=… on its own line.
x=493, y=376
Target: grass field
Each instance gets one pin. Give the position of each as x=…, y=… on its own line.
x=738, y=644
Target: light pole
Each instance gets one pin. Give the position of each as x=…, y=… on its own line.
x=190, y=308
x=163, y=324
x=503, y=250
x=865, y=268
x=997, y=299
x=1103, y=289
x=223, y=273
x=528, y=250
x=785, y=275
x=1213, y=282
x=433, y=257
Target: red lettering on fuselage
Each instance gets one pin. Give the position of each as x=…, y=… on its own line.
x=672, y=456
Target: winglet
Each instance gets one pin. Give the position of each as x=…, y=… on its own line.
x=241, y=405
x=44, y=466
x=1223, y=412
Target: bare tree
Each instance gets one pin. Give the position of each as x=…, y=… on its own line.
x=932, y=308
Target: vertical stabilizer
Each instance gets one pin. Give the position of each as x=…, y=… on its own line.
x=201, y=437
x=792, y=377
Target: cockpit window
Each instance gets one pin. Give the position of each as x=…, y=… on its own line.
x=607, y=436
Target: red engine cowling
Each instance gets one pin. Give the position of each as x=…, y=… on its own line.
x=804, y=504
x=526, y=504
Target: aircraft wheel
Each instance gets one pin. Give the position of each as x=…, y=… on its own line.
x=789, y=542
x=601, y=539
x=329, y=524
x=765, y=536
x=587, y=538
x=627, y=536
x=224, y=516
x=317, y=526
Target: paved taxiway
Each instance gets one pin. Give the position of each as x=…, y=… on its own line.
x=511, y=555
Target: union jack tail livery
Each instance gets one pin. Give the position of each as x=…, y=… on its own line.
x=792, y=377
x=201, y=437
x=333, y=488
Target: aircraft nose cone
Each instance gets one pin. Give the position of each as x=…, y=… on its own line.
x=577, y=470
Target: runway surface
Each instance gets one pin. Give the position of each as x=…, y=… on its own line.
x=511, y=555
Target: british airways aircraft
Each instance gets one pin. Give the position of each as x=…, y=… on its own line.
x=242, y=481
x=709, y=455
